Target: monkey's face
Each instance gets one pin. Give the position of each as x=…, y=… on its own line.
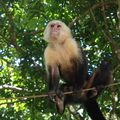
x=56, y=31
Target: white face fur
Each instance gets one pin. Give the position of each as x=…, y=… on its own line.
x=56, y=31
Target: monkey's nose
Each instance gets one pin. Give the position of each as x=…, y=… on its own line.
x=55, y=29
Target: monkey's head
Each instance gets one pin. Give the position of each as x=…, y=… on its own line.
x=56, y=31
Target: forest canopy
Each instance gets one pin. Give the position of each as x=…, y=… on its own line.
x=95, y=25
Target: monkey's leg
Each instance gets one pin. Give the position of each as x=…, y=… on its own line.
x=53, y=81
x=59, y=101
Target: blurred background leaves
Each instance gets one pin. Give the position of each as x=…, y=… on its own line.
x=95, y=25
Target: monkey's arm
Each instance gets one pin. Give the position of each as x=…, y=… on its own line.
x=53, y=82
x=53, y=78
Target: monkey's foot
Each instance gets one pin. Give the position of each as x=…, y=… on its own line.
x=94, y=93
x=59, y=98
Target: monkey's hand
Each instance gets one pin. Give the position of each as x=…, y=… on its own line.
x=77, y=90
x=51, y=95
x=93, y=93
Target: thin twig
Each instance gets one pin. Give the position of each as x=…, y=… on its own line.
x=65, y=93
x=11, y=87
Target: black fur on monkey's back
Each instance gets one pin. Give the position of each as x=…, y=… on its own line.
x=103, y=74
x=75, y=75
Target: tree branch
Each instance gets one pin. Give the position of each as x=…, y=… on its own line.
x=114, y=46
x=11, y=87
x=74, y=112
x=116, y=68
x=118, y=13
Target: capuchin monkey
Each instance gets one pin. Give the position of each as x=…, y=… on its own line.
x=64, y=59
x=102, y=77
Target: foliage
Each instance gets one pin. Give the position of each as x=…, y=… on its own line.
x=95, y=25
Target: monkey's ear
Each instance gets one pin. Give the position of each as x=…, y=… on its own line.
x=46, y=34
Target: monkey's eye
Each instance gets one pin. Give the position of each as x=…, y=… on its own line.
x=58, y=26
x=52, y=25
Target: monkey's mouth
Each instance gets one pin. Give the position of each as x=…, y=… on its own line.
x=54, y=34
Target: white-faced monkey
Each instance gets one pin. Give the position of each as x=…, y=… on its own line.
x=64, y=59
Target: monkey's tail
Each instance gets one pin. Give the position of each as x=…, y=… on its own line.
x=93, y=110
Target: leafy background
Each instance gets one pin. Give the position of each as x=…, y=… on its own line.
x=95, y=25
